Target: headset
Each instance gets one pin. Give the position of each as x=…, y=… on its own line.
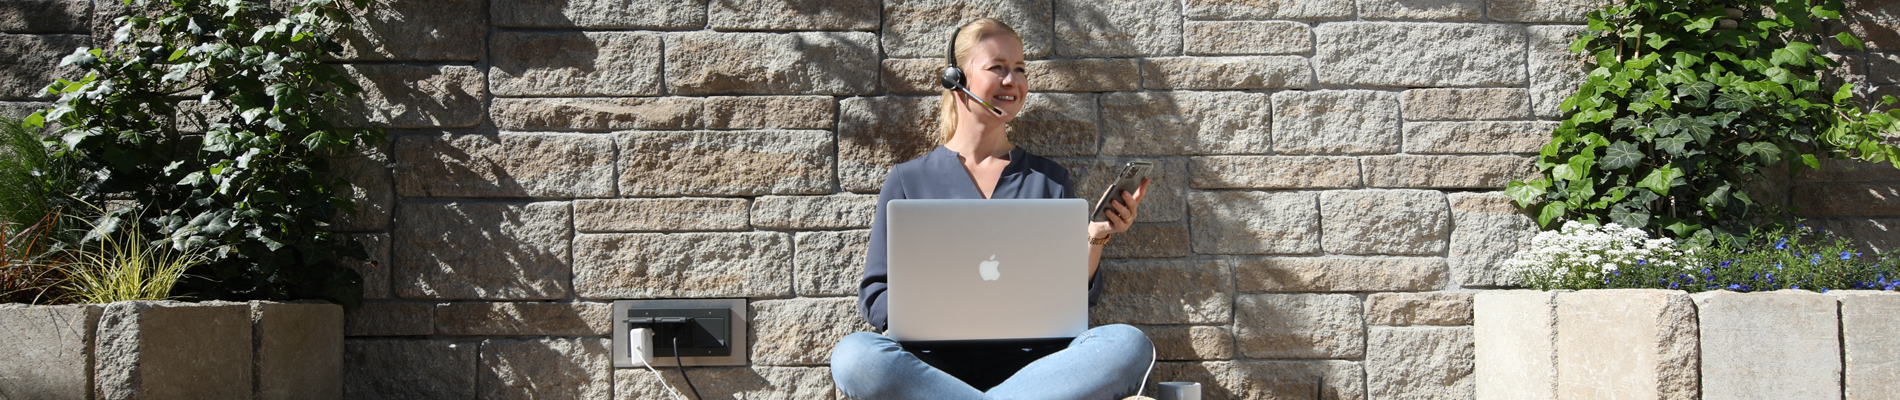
x=952, y=78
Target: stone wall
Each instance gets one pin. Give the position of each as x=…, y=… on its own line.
x=1327, y=204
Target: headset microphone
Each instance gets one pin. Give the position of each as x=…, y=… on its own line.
x=952, y=78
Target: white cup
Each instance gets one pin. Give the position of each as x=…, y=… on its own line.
x=1179, y=391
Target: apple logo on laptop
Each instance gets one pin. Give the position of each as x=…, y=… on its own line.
x=988, y=269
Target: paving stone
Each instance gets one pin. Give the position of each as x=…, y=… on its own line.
x=1555, y=72
x=845, y=211
x=802, y=331
x=1255, y=222
x=1164, y=201
x=173, y=350
x=1299, y=326
x=1415, y=222
x=600, y=14
x=505, y=165
x=1434, y=308
x=390, y=318
x=1250, y=10
x=1488, y=137
x=1163, y=292
x=416, y=96
x=1226, y=73
x=1447, y=172
x=23, y=16
x=487, y=251
x=1487, y=230
x=1560, y=11
x=1149, y=241
x=771, y=112
x=1466, y=104
x=1776, y=345
x=1338, y=274
x=1336, y=122
x=684, y=265
x=1419, y=363
x=49, y=349
x=1515, y=332
x=1868, y=335
x=523, y=319
x=390, y=30
x=725, y=163
x=1176, y=342
x=919, y=76
x=876, y=133
x=372, y=190
x=1434, y=10
x=1407, y=54
x=410, y=369
x=1273, y=172
x=669, y=214
x=922, y=28
x=1181, y=123
x=30, y=62
x=598, y=114
x=1070, y=75
x=1863, y=200
x=1627, y=343
x=299, y=353
x=1225, y=380
x=526, y=64
x=1847, y=171
x=1056, y=125
x=758, y=382
x=552, y=368
x=794, y=15
x=1129, y=28
x=1232, y=38
x=807, y=63
x=829, y=263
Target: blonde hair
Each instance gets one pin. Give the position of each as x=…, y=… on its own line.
x=966, y=38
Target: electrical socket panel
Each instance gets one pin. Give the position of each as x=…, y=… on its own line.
x=717, y=334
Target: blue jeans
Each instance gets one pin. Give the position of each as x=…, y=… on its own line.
x=1108, y=362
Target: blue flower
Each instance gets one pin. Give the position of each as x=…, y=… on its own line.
x=1794, y=286
x=1782, y=245
x=1734, y=286
x=1725, y=264
x=1642, y=262
x=1846, y=255
x=1777, y=266
x=1816, y=260
x=1672, y=285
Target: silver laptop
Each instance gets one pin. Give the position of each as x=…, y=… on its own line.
x=977, y=270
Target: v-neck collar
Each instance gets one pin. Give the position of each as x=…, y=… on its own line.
x=950, y=164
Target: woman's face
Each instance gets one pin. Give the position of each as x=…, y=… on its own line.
x=995, y=72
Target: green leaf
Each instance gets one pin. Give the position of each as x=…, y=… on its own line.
x=1848, y=39
x=1734, y=101
x=1622, y=155
x=1699, y=89
x=1810, y=161
x=1666, y=126
x=1660, y=180
x=1779, y=75
x=1672, y=145
x=1846, y=92
x=1526, y=194
x=1551, y=214
x=1627, y=217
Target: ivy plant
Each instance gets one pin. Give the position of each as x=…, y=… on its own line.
x=215, y=118
x=1688, y=102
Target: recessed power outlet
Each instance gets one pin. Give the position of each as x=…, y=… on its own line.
x=709, y=331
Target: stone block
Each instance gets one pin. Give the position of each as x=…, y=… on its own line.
x=653, y=215
x=375, y=270
x=1466, y=104
x=487, y=251
x=48, y=354
x=1627, y=343
x=21, y=109
x=1163, y=292
x=410, y=369
x=1875, y=23
x=1545, y=11
x=1882, y=68
x=1182, y=123
x=1338, y=274
x=1434, y=10
x=1555, y=72
x=24, y=16
x=1233, y=38
x=771, y=112
x=173, y=350
x=526, y=64
x=1273, y=172
x=793, y=15
x=390, y=30
x=523, y=319
x=829, y=263
x=1299, y=326
x=1336, y=122
x=1406, y=54
x=1149, y=241
x=1126, y=28
x=876, y=133
x=557, y=368
x=1515, y=333
x=1191, y=342
x=30, y=62
x=597, y=114
x=1239, y=222
x=1057, y=125
x=919, y=76
x=1419, y=363
x=1868, y=337
x=1447, y=172
x=416, y=96
x=1415, y=222
x=1848, y=171
x=802, y=331
x=505, y=165
x=1870, y=234
x=806, y=63
x=1162, y=203
x=1862, y=200
x=1227, y=380
x=685, y=265
x=600, y=14
x=390, y=318
x=844, y=211
x=1487, y=230
x=1487, y=137
x=1434, y=308
x=1226, y=73
x=299, y=353
x=1265, y=10
x=921, y=28
x=1775, y=345
x=372, y=190
x=725, y=163
x=761, y=383
x=1069, y=75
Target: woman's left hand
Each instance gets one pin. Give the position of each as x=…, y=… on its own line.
x=1121, y=213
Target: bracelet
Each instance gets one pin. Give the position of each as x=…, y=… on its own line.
x=1098, y=242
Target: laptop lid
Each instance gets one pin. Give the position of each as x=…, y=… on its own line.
x=972, y=270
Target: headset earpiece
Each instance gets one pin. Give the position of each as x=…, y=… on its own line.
x=952, y=78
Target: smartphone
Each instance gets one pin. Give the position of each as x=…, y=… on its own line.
x=1127, y=181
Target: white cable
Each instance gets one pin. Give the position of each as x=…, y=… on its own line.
x=641, y=351
x=1153, y=356
x=662, y=378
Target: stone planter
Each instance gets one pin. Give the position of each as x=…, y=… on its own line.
x=167, y=349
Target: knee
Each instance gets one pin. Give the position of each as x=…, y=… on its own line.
x=1127, y=338
x=858, y=359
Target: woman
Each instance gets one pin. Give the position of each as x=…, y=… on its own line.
x=976, y=161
